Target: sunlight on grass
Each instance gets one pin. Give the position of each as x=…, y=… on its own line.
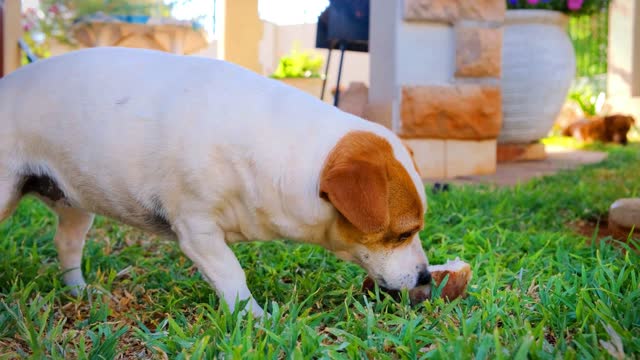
x=563, y=141
x=572, y=143
x=538, y=289
x=634, y=133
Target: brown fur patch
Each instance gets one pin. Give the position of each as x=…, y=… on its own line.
x=377, y=199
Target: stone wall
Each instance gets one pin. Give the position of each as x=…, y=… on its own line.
x=435, y=71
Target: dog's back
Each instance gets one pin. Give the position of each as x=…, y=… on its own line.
x=115, y=117
x=586, y=129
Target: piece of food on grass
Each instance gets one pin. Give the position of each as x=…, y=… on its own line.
x=459, y=275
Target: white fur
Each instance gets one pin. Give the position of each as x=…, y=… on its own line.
x=232, y=155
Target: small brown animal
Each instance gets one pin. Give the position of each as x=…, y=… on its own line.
x=612, y=128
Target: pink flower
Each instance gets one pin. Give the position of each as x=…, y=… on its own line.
x=574, y=4
x=533, y=2
x=54, y=9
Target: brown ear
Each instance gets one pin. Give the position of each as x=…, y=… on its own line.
x=617, y=121
x=631, y=120
x=358, y=188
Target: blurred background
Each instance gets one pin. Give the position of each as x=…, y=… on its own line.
x=469, y=84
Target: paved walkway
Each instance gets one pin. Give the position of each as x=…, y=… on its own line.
x=519, y=172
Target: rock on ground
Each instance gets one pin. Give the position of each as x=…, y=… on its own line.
x=624, y=215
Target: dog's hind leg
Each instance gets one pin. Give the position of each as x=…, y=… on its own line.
x=73, y=225
x=9, y=196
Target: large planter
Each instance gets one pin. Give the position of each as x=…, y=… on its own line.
x=538, y=66
x=164, y=34
x=312, y=86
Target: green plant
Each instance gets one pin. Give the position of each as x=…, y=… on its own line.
x=299, y=64
x=589, y=92
x=38, y=48
x=589, y=36
x=586, y=97
x=571, y=7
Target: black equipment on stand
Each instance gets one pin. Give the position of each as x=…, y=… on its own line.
x=343, y=25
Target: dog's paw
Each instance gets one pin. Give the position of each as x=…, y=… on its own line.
x=256, y=310
x=252, y=307
x=76, y=290
x=74, y=281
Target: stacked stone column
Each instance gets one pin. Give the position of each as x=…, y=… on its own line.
x=435, y=80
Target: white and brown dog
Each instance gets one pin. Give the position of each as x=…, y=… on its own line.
x=208, y=153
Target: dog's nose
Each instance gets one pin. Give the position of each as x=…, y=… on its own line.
x=424, y=278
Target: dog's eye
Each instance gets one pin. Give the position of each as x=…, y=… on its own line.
x=405, y=235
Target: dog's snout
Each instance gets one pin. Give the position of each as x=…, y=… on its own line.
x=424, y=278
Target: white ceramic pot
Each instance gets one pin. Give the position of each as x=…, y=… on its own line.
x=538, y=66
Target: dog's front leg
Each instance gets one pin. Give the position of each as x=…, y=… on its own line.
x=203, y=242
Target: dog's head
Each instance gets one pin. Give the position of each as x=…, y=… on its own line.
x=617, y=127
x=380, y=203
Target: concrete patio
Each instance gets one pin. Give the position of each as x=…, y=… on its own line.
x=512, y=173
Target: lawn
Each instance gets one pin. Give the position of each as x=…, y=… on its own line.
x=539, y=290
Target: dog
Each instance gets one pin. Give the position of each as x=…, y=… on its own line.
x=209, y=154
x=606, y=129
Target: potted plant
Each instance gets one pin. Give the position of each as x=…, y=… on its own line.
x=538, y=64
x=301, y=69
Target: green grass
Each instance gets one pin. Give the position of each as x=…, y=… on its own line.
x=538, y=291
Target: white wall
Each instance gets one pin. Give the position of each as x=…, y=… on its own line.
x=426, y=52
x=382, y=45
x=624, y=49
